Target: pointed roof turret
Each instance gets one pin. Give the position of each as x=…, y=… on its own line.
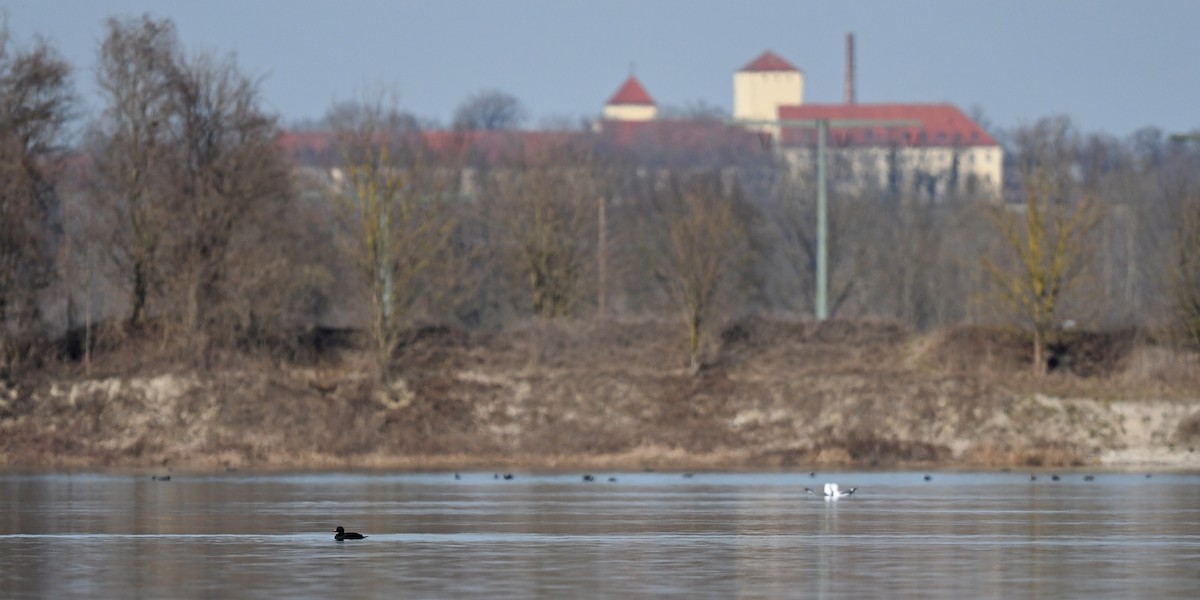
x=631, y=92
x=769, y=61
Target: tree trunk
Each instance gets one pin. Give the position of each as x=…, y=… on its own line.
x=694, y=342
x=1039, y=351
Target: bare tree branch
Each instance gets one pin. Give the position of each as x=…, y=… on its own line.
x=699, y=244
x=489, y=110
x=35, y=102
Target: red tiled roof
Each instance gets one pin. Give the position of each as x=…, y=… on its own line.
x=713, y=139
x=686, y=136
x=631, y=92
x=498, y=145
x=769, y=61
x=297, y=142
x=941, y=125
x=314, y=147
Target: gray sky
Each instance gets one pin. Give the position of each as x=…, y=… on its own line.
x=1113, y=66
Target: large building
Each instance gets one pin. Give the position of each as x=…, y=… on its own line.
x=932, y=150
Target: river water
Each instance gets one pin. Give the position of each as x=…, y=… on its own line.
x=711, y=535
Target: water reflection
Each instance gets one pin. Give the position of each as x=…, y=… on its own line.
x=647, y=535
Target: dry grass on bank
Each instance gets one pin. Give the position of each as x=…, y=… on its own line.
x=774, y=394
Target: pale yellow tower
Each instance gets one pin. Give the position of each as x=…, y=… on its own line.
x=762, y=86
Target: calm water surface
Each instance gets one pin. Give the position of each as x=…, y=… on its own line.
x=644, y=535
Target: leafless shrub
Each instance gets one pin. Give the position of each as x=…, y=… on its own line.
x=1045, y=455
x=1188, y=431
x=868, y=448
x=546, y=207
x=694, y=243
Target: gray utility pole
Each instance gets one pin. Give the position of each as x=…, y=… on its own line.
x=822, y=302
x=822, y=126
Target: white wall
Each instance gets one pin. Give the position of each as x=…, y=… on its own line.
x=757, y=95
x=630, y=112
x=869, y=166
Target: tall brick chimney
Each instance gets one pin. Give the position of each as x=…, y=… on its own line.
x=849, y=92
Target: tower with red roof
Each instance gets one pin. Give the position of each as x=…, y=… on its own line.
x=765, y=84
x=631, y=103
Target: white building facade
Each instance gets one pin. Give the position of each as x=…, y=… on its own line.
x=947, y=154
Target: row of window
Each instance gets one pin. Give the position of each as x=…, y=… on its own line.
x=969, y=158
x=883, y=136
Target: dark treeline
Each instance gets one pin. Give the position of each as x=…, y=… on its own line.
x=183, y=216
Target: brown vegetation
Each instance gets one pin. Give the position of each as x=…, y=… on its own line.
x=610, y=394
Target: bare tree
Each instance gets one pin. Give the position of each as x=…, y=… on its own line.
x=791, y=219
x=694, y=254
x=129, y=146
x=227, y=177
x=397, y=222
x=1183, y=273
x=490, y=110
x=546, y=206
x=1048, y=242
x=35, y=103
x=187, y=168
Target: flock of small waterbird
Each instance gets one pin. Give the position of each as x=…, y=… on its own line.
x=829, y=492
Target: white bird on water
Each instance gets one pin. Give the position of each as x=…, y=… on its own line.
x=832, y=492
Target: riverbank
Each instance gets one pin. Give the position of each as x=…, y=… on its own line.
x=615, y=396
